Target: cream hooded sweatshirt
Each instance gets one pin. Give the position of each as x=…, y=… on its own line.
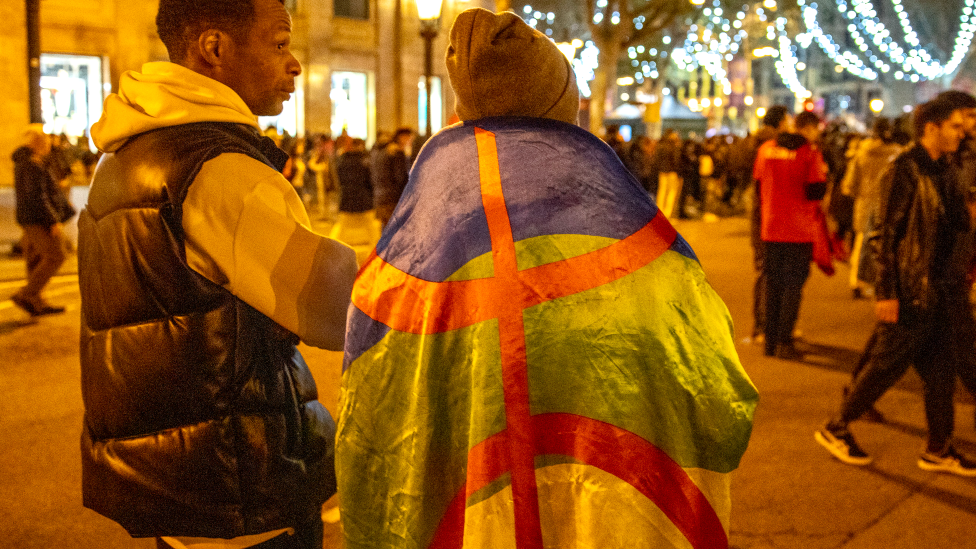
x=246, y=228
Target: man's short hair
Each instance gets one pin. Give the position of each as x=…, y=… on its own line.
x=959, y=99
x=775, y=116
x=180, y=22
x=401, y=132
x=935, y=112
x=806, y=119
x=882, y=129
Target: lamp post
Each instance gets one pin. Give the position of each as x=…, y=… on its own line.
x=429, y=12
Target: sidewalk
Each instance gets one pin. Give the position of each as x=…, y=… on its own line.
x=788, y=491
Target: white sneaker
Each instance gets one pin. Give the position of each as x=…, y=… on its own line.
x=949, y=462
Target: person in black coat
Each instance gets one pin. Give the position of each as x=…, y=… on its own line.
x=41, y=209
x=357, y=224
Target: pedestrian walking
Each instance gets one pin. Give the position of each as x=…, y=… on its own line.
x=963, y=262
x=861, y=183
x=533, y=353
x=392, y=175
x=668, y=162
x=792, y=176
x=295, y=168
x=357, y=225
x=776, y=121
x=922, y=303
x=41, y=208
x=320, y=163
x=639, y=160
x=199, y=274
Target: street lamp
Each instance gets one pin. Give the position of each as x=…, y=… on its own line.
x=429, y=12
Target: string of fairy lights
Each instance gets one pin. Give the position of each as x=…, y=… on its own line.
x=714, y=39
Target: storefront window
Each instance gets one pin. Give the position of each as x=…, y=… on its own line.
x=436, y=105
x=71, y=93
x=350, y=109
x=354, y=9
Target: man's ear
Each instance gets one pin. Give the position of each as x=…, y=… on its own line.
x=214, y=46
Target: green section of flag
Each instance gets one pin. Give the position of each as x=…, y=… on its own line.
x=535, y=251
x=651, y=353
x=411, y=409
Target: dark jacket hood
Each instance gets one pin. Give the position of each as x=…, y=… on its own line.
x=791, y=141
x=22, y=154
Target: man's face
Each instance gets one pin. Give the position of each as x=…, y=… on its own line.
x=262, y=70
x=951, y=132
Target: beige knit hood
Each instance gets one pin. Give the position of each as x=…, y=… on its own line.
x=500, y=66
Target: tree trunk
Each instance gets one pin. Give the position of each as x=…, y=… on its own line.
x=605, y=79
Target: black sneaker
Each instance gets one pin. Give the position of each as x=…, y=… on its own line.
x=951, y=461
x=25, y=304
x=787, y=351
x=842, y=445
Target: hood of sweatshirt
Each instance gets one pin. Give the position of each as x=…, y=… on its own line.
x=791, y=141
x=163, y=95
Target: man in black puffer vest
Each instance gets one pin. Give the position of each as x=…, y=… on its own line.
x=199, y=274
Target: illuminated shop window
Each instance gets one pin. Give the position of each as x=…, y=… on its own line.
x=72, y=93
x=350, y=109
x=436, y=105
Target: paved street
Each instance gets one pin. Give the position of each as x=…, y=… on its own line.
x=788, y=493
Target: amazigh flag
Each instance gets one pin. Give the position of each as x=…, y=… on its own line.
x=535, y=359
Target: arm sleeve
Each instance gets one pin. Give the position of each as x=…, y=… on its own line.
x=247, y=230
x=815, y=186
x=897, y=191
x=849, y=186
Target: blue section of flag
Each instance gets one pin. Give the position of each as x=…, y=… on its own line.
x=439, y=225
x=557, y=179
x=368, y=332
x=561, y=179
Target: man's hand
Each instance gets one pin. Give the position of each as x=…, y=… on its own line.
x=887, y=310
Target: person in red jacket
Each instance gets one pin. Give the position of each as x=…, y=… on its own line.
x=793, y=180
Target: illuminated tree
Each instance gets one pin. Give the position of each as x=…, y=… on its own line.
x=615, y=26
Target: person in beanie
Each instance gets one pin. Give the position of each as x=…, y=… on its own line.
x=534, y=357
x=199, y=275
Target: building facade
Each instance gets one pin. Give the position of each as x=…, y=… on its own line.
x=363, y=65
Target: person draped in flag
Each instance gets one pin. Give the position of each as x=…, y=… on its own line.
x=534, y=357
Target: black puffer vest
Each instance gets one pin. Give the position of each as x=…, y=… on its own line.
x=201, y=416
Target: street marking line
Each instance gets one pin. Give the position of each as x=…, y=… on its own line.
x=54, y=280
x=8, y=304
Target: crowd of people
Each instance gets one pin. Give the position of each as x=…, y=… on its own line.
x=897, y=203
x=343, y=182
x=532, y=351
